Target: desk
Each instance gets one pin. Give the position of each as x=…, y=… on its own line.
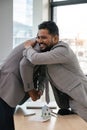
x=71, y=122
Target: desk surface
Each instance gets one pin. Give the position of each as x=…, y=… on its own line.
x=71, y=122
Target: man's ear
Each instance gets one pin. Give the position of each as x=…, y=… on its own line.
x=56, y=39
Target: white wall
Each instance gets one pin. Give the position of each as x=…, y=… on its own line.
x=6, y=25
x=40, y=13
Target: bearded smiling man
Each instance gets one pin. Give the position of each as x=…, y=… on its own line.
x=63, y=69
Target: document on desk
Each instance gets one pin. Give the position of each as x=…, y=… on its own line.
x=29, y=113
x=44, y=116
x=26, y=112
x=39, y=118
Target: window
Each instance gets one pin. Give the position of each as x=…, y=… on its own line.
x=22, y=20
x=72, y=23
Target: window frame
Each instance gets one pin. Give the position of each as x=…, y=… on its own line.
x=59, y=3
x=63, y=3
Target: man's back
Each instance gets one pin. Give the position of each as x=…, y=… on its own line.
x=12, y=62
x=11, y=86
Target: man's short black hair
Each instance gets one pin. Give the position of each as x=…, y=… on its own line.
x=50, y=26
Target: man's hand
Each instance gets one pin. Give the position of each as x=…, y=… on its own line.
x=34, y=94
x=31, y=42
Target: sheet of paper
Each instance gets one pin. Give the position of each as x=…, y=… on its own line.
x=29, y=113
x=39, y=119
x=26, y=112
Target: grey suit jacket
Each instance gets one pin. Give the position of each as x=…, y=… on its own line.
x=63, y=69
x=13, y=86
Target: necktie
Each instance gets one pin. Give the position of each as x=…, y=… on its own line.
x=39, y=76
x=47, y=98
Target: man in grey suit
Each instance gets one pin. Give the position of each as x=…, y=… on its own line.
x=63, y=68
x=13, y=91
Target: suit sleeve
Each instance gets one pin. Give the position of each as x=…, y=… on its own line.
x=26, y=72
x=56, y=55
x=30, y=77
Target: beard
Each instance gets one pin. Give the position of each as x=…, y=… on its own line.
x=46, y=49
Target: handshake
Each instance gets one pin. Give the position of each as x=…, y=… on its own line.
x=35, y=94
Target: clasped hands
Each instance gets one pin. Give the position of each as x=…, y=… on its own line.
x=35, y=94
